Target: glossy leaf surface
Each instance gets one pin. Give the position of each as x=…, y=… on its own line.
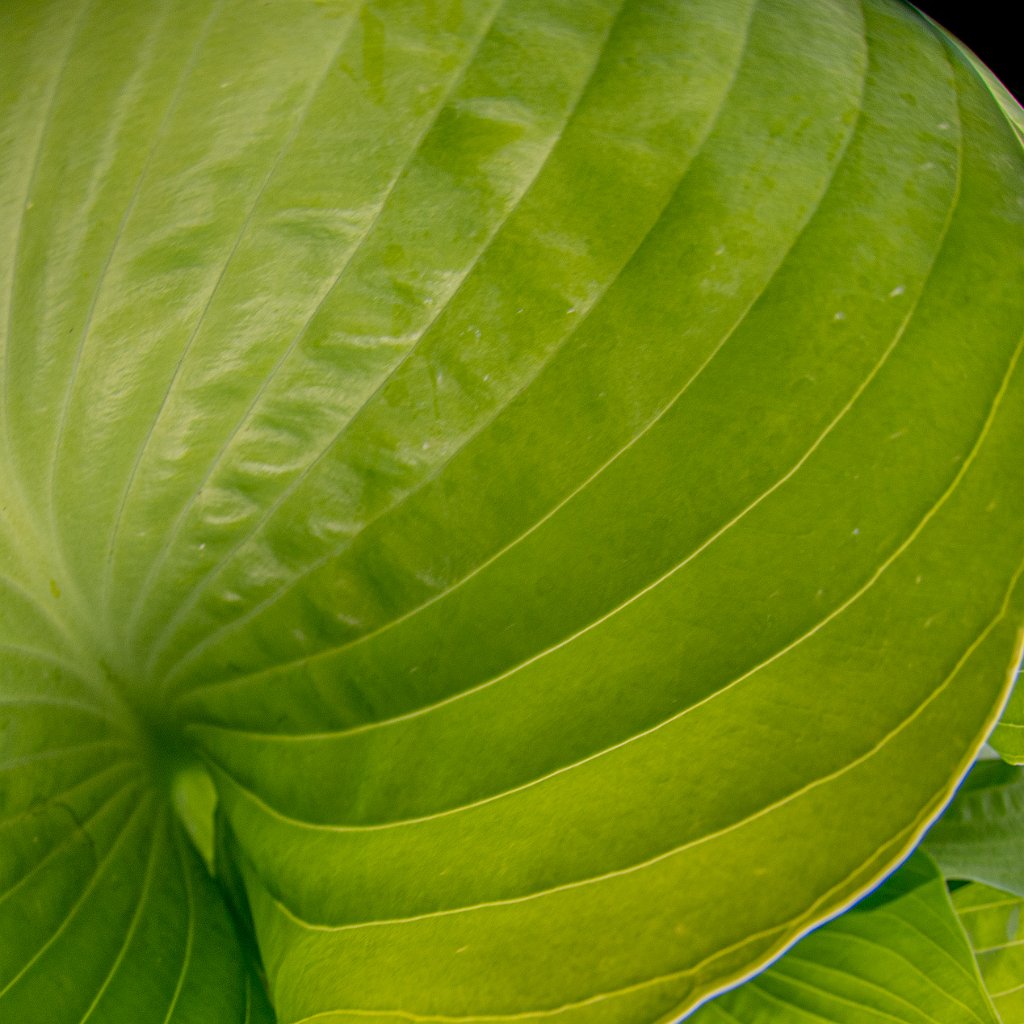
x=551, y=464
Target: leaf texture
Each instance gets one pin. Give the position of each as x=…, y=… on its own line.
x=550, y=464
x=899, y=956
x=980, y=836
x=107, y=914
x=992, y=919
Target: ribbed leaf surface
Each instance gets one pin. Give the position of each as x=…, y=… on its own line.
x=107, y=915
x=554, y=465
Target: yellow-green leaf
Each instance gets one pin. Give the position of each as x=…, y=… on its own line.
x=530, y=488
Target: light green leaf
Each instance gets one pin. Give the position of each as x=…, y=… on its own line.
x=532, y=486
x=992, y=920
x=981, y=834
x=898, y=957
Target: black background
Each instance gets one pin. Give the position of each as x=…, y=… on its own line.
x=991, y=29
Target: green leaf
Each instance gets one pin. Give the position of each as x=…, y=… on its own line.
x=1008, y=737
x=106, y=912
x=899, y=957
x=1011, y=108
x=527, y=490
x=980, y=836
x=992, y=920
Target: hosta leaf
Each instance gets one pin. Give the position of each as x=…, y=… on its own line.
x=1008, y=737
x=544, y=470
x=106, y=912
x=981, y=834
x=899, y=957
x=992, y=919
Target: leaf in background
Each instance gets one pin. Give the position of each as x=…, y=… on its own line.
x=980, y=836
x=899, y=956
x=1008, y=737
x=993, y=921
x=551, y=462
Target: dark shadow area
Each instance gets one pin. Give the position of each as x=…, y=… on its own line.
x=989, y=28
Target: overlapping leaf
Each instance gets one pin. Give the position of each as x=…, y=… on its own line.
x=1007, y=738
x=898, y=956
x=981, y=835
x=549, y=461
x=992, y=919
